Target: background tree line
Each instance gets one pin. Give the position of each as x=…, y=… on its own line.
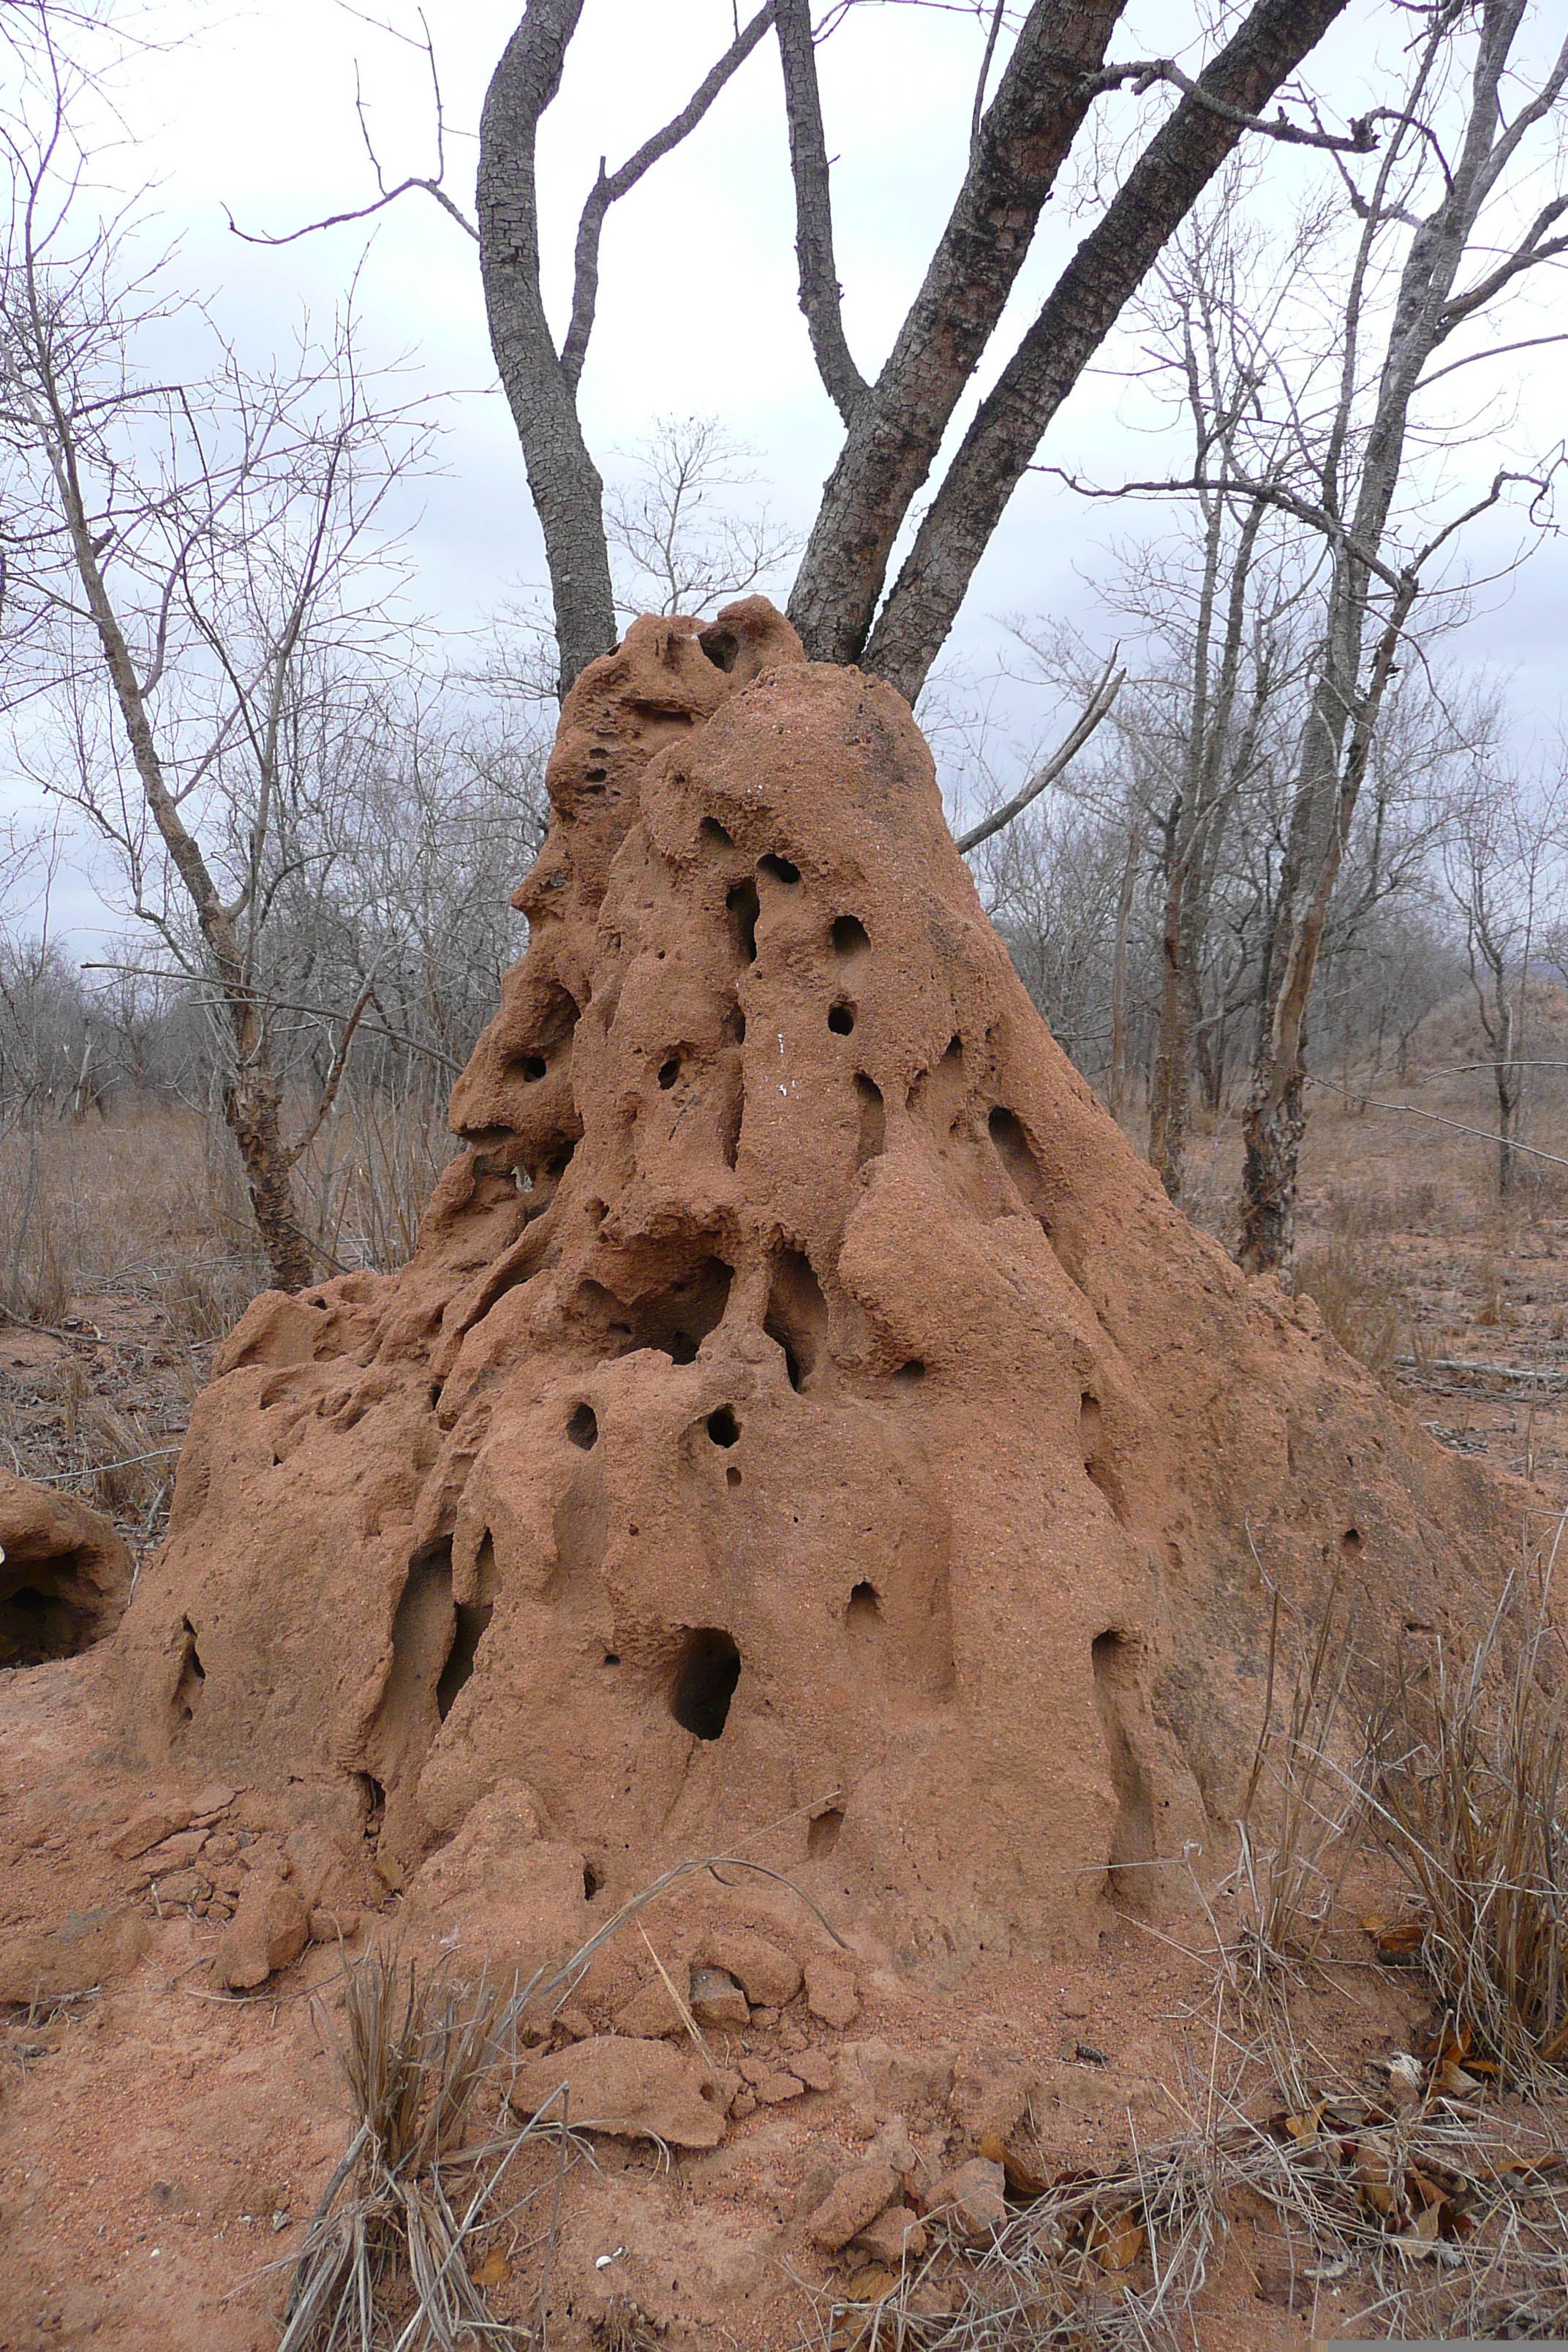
x=1288, y=824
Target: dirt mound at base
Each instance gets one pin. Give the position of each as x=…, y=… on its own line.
x=805, y=1415
x=65, y=1575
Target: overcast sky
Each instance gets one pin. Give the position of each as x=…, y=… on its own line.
x=253, y=110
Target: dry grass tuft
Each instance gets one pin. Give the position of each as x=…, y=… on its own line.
x=396, y=2223
x=1302, y=1815
x=1418, y=2211
x=1363, y=1306
x=1470, y=1789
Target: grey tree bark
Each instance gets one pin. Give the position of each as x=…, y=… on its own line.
x=1336, y=735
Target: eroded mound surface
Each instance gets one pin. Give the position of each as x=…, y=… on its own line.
x=805, y=1415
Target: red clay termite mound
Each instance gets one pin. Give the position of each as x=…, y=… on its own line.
x=803, y=1408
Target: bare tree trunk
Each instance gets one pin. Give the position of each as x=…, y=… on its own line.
x=1168, y=1108
x=896, y=426
x=251, y=1104
x=1329, y=776
x=1505, y=1070
x=1155, y=199
x=565, y=485
x=1119, y=978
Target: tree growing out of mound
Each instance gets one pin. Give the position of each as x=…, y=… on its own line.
x=1466, y=71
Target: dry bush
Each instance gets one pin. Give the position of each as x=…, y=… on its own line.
x=365, y=1181
x=1397, y=1209
x=1362, y=1304
x=1470, y=1789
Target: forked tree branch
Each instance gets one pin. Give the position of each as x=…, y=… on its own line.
x=1159, y=192
x=1144, y=72
x=1099, y=704
x=610, y=187
x=820, y=293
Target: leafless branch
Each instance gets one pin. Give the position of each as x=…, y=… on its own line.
x=610, y=187
x=1099, y=704
x=1144, y=72
x=820, y=293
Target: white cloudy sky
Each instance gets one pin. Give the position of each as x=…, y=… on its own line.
x=253, y=110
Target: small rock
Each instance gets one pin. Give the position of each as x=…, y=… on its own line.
x=211, y=1802
x=717, y=1999
x=270, y=1929
x=148, y=1827
x=175, y=1854
x=855, y=2198
x=629, y=2090
x=776, y=2087
x=575, y=2023
x=1091, y=2054
x=893, y=2237
x=973, y=2198
x=334, y=1926
x=651, y=2014
x=744, y=2102
x=764, y=2020
x=768, y=1976
x=830, y=1993
x=818, y=2175
x=814, y=2067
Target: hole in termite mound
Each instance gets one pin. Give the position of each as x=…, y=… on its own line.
x=849, y=938
x=668, y=1071
x=1013, y=1151
x=583, y=1429
x=822, y=1832
x=592, y=1881
x=864, y=1610
x=910, y=1375
x=705, y=1679
x=191, y=1677
x=372, y=1802
x=723, y=1426
x=470, y=1630
x=796, y=1319
x=677, y=1319
x=721, y=645
x=743, y=907
x=534, y=1067
x=783, y=869
x=54, y=1606
x=872, y=1140
x=714, y=832
x=841, y=1020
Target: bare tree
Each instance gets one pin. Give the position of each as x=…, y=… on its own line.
x=683, y=548
x=1054, y=73
x=1370, y=594
x=1503, y=866
x=180, y=557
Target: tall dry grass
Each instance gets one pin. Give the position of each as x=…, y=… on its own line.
x=1472, y=1795
x=150, y=1203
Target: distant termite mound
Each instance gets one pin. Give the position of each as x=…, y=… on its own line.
x=804, y=1414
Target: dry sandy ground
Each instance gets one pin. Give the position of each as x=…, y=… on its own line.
x=161, y=2147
